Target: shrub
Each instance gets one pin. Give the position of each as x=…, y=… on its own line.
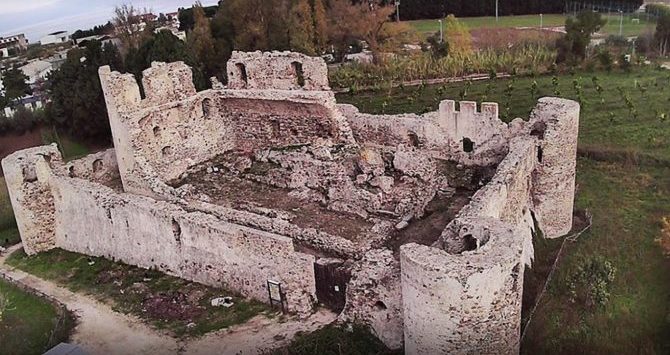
x=605, y=59
x=458, y=36
x=589, y=284
x=438, y=47
x=22, y=121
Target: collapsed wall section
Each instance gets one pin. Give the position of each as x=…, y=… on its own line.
x=28, y=174
x=94, y=220
x=100, y=167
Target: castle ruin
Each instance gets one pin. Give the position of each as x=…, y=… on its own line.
x=419, y=226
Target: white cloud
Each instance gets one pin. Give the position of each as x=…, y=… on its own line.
x=16, y=7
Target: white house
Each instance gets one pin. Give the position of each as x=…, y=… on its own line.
x=56, y=37
x=36, y=70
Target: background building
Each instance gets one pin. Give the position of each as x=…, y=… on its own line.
x=55, y=37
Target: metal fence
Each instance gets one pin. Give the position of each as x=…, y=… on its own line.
x=603, y=7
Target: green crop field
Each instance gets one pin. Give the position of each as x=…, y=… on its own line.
x=629, y=27
x=625, y=128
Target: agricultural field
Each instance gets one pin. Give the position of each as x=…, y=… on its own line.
x=623, y=180
x=29, y=325
x=630, y=28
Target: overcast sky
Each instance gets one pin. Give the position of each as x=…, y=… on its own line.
x=36, y=18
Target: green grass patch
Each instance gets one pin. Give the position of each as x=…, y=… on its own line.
x=336, y=340
x=628, y=203
x=628, y=196
x=68, y=147
x=31, y=325
x=166, y=302
x=7, y=221
x=630, y=28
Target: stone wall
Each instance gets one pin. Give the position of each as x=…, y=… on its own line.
x=476, y=137
x=277, y=124
x=374, y=296
x=27, y=174
x=555, y=122
x=95, y=220
x=98, y=167
x=467, y=135
x=467, y=302
x=470, y=282
x=276, y=70
x=174, y=128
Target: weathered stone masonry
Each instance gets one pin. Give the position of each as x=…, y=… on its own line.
x=419, y=226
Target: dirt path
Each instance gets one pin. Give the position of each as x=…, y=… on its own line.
x=100, y=330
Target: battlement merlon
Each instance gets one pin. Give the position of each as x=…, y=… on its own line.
x=276, y=71
x=478, y=126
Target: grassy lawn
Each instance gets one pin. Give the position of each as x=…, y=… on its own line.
x=166, y=302
x=628, y=201
x=29, y=326
x=551, y=20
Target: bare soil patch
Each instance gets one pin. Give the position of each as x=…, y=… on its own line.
x=9, y=143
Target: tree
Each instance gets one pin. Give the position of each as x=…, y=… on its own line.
x=77, y=102
x=662, y=35
x=457, y=35
x=438, y=47
x=16, y=85
x=127, y=24
x=320, y=26
x=572, y=46
x=201, y=43
x=164, y=47
x=186, y=19
x=367, y=21
x=301, y=28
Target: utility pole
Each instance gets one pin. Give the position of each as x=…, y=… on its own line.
x=620, y=23
x=541, y=22
x=397, y=10
x=441, y=31
x=496, y=10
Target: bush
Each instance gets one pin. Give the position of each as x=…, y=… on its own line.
x=590, y=282
x=605, y=59
x=438, y=47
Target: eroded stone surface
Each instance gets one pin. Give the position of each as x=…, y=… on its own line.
x=417, y=225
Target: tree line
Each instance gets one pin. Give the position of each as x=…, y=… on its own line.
x=430, y=9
